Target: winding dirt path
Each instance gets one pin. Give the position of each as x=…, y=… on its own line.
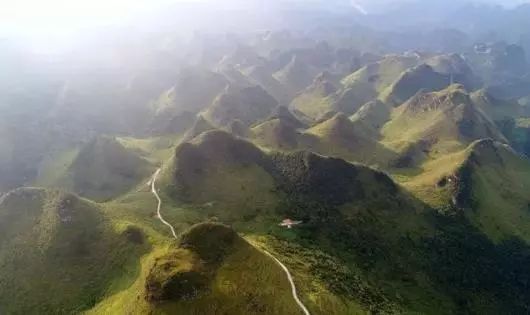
x=285, y=269
x=160, y=217
x=291, y=281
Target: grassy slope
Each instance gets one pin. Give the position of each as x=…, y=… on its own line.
x=352, y=254
x=195, y=89
x=246, y=281
x=378, y=76
x=295, y=76
x=501, y=181
x=411, y=81
x=156, y=149
x=317, y=99
x=248, y=105
x=276, y=134
x=341, y=137
x=336, y=297
x=357, y=89
x=55, y=242
x=438, y=123
x=497, y=109
x=263, y=77
x=103, y=168
x=498, y=185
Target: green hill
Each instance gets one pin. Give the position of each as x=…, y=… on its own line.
x=493, y=181
x=499, y=110
x=457, y=68
x=436, y=123
x=488, y=181
x=341, y=137
x=372, y=116
x=199, y=126
x=194, y=90
x=101, y=169
x=374, y=78
x=282, y=131
x=295, y=76
x=276, y=134
x=420, y=78
x=385, y=248
x=316, y=99
x=261, y=76
x=217, y=168
x=360, y=87
x=214, y=270
x=59, y=254
x=247, y=105
x=365, y=244
x=283, y=113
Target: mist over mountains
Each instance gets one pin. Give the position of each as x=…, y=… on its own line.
x=265, y=157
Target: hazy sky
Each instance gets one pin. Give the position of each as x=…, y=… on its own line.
x=43, y=18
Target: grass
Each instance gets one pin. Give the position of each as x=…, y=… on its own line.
x=340, y=137
x=276, y=134
x=312, y=104
x=54, y=166
x=381, y=74
x=366, y=244
x=248, y=105
x=102, y=169
x=438, y=123
x=411, y=81
x=498, y=184
x=501, y=193
x=425, y=184
x=156, y=149
x=54, y=242
x=236, y=286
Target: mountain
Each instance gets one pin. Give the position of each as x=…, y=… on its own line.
x=339, y=136
x=57, y=242
x=262, y=76
x=215, y=270
x=455, y=66
x=216, y=153
x=281, y=131
x=396, y=141
x=234, y=76
x=199, y=126
x=374, y=78
x=296, y=75
x=519, y=136
x=194, y=90
x=283, y=113
x=487, y=182
x=242, y=57
x=316, y=99
x=512, y=88
x=247, y=105
x=498, y=109
x=435, y=123
x=276, y=134
x=367, y=83
x=372, y=115
x=359, y=219
x=410, y=82
x=102, y=169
